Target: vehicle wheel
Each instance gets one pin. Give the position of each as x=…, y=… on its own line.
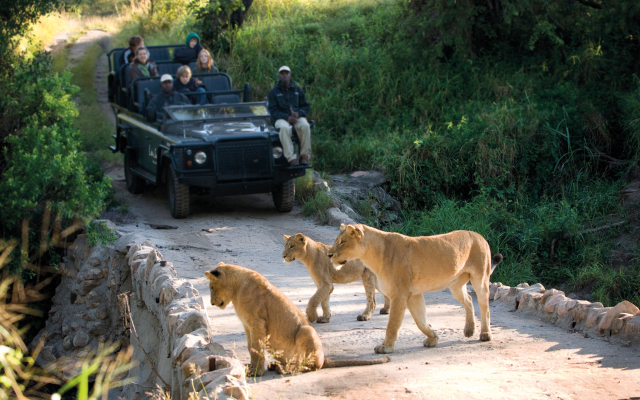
x=178, y=195
x=135, y=184
x=284, y=195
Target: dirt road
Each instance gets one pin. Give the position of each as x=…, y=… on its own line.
x=526, y=359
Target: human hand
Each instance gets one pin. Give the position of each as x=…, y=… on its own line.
x=198, y=82
x=292, y=120
x=295, y=114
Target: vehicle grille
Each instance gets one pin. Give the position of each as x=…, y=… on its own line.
x=243, y=160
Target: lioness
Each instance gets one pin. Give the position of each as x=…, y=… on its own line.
x=270, y=317
x=407, y=266
x=314, y=257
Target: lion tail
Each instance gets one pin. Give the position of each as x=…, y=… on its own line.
x=353, y=363
x=497, y=259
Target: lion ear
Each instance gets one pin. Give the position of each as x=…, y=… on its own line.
x=213, y=274
x=355, y=231
x=286, y=237
x=300, y=237
x=342, y=227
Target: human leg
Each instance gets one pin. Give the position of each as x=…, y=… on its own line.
x=202, y=99
x=304, y=134
x=285, y=139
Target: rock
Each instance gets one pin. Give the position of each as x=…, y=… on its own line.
x=81, y=339
x=99, y=327
x=594, y=315
x=87, y=285
x=122, y=244
x=75, y=326
x=199, y=362
x=337, y=217
x=47, y=353
x=493, y=288
x=101, y=314
x=94, y=273
x=566, y=306
x=623, y=307
x=67, y=343
x=236, y=388
x=549, y=293
x=349, y=212
x=187, y=346
x=581, y=310
x=619, y=321
x=65, y=330
x=80, y=300
x=632, y=326
x=192, y=321
x=523, y=285
x=552, y=302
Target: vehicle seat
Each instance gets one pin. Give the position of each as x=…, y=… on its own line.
x=159, y=54
x=170, y=68
x=226, y=98
x=216, y=82
x=142, y=87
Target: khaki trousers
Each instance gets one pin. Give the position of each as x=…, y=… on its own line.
x=304, y=134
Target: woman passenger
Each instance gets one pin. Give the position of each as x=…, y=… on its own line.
x=184, y=83
x=205, y=63
x=141, y=65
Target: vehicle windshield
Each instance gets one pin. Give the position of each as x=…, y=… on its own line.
x=217, y=111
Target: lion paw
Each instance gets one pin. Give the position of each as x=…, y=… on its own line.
x=384, y=311
x=312, y=317
x=382, y=349
x=274, y=366
x=431, y=342
x=323, y=320
x=485, y=337
x=253, y=371
x=469, y=330
x=364, y=317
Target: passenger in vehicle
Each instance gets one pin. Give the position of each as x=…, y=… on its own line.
x=205, y=63
x=184, y=55
x=288, y=106
x=142, y=66
x=168, y=97
x=184, y=83
x=130, y=53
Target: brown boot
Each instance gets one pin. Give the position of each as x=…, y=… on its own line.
x=293, y=163
x=304, y=159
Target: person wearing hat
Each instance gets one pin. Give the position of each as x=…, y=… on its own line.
x=288, y=107
x=184, y=55
x=167, y=97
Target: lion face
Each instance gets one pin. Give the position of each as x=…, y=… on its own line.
x=221, y=291
x=294, y=247
x=347, y=246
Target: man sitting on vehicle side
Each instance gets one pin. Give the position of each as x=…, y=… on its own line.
x=168, y=97
x=288, y=106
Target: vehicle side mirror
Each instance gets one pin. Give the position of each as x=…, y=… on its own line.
x=151, y=115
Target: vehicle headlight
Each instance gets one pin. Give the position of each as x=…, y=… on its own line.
x=277, y=152
x=200, y=157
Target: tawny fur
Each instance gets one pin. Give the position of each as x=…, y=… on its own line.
x=314, y=257
x=265, y=312
x=407, y=267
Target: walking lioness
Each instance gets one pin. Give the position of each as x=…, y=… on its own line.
x=314, y=257
x=270, y=318
x=407, y=267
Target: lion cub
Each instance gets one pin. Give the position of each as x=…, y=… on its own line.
x=314, y=256
x=269, y=316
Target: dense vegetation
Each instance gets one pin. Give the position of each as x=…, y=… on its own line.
x=518, y=119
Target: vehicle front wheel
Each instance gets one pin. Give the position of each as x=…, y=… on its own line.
x=135, y=184
x=284, y=195
x=178, y=195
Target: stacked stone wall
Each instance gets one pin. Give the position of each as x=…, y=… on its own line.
x=168, y=313
x=620, y=323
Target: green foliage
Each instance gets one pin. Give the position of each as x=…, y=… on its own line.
x=317, y=205
x=98, y=232
x=43, y=163
x=212, y=21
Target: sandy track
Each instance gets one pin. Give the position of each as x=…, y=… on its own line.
x=527, y=359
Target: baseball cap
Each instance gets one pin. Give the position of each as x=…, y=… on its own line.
x=166, y=77
x=284, y=68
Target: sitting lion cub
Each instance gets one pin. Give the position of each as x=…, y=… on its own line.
x=314, y=256
x=269, y=316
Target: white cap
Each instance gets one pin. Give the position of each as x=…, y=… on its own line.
x=284, y=68
x=166, y=77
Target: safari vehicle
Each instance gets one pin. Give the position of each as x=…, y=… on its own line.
x=223, y=148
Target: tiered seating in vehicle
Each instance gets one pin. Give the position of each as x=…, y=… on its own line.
x=135, y=95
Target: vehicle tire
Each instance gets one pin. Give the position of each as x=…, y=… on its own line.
x=135, y=184
x=284, y=195
x=178, y=195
